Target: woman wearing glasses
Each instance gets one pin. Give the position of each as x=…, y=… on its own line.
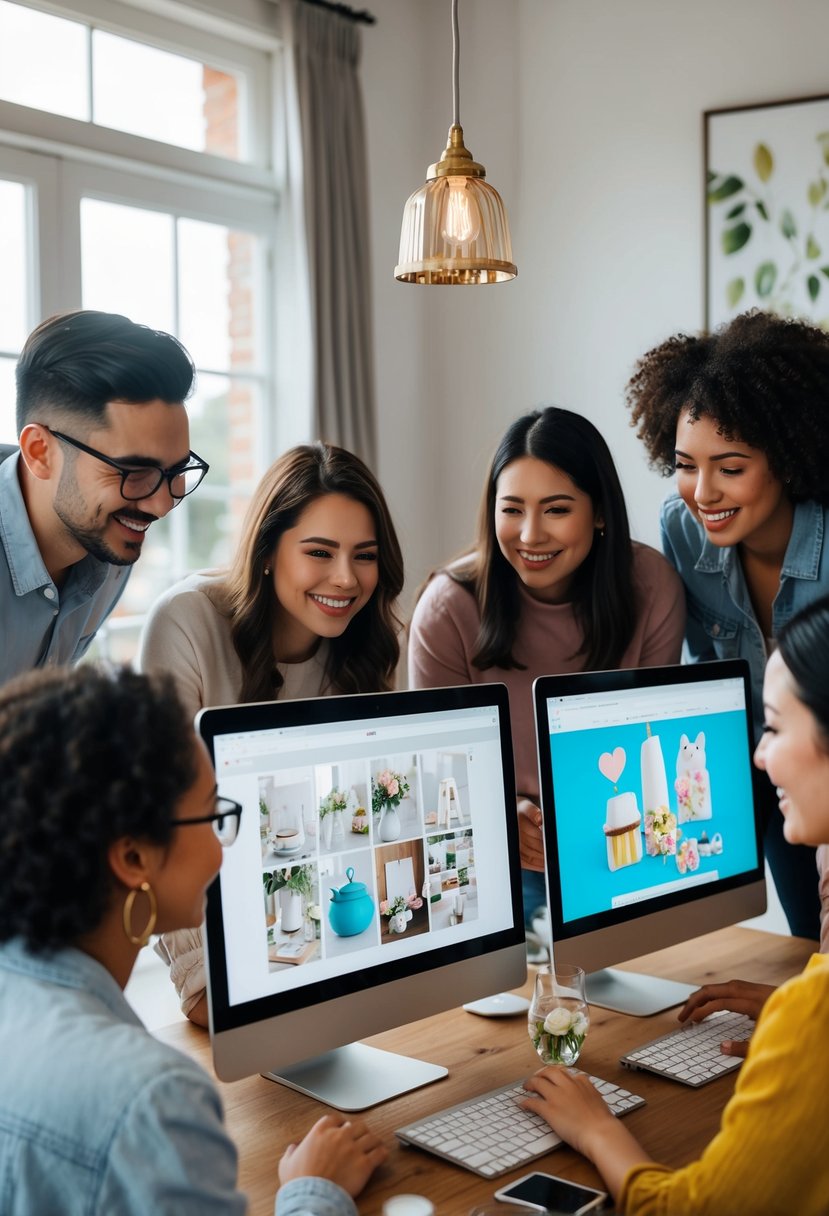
x=111, y=829
x=306, y=609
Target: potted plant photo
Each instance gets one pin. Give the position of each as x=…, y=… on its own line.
x=293, y=884
x=331, y=808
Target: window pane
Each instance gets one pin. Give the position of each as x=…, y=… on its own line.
x=43, y=61
x=14, y=302
x=8, y=430
x=128, y=262
x=189, y=104
x=216, y=295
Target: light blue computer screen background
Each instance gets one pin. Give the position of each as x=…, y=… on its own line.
x=581, y=793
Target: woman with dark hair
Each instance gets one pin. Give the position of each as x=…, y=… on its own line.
x=111, y=829
x=771, y=1154
x=552, y=584
x=306, y=609
x=742, y=417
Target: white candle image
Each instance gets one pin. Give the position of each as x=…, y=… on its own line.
x=654, y=777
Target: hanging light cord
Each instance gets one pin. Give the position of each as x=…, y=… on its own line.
x=456, y=75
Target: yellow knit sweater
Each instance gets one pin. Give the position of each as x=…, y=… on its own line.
x=771, y=1154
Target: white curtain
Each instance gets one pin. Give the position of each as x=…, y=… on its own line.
x=327, y=172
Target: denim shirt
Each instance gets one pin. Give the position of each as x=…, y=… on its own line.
x=41, y=624
x=721, y=622
x=98, y=1118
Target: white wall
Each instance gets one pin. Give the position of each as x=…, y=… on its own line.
x=588, y=117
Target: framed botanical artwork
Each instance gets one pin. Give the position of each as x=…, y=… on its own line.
x=767, y=210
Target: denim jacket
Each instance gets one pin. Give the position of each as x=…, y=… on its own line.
x=98, y=1118
x=721, y=621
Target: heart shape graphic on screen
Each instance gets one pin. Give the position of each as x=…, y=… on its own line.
x=612, y=765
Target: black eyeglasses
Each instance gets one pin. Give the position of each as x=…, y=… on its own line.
x=142, y=482
x=225, y=820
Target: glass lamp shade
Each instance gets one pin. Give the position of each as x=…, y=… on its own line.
x=455, y=233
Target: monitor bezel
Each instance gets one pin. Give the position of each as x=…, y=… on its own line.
x=612, y=922
x=215, y=721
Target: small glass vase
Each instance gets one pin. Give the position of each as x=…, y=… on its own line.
x=559, y=1015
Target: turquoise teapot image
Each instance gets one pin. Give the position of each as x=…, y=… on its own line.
x=351, y=908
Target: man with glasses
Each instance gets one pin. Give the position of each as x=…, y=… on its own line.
x=104, y=452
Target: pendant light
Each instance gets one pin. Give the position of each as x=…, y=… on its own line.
x=455, y=230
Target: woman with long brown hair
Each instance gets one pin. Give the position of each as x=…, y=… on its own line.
x=307, y=608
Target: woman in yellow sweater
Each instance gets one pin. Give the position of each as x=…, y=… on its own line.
x=771, y=1154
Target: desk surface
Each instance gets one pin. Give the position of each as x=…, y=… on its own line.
x=482, y=1053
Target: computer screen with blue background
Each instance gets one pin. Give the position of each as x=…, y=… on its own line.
x=647, y=792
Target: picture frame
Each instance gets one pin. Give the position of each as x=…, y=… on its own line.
x=766, y=207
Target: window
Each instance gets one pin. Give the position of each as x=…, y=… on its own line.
x=177, y=238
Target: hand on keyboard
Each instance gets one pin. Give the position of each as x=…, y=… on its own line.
x=737, y=996
x=495, y=1132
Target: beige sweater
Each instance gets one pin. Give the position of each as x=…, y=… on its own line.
x=188, y=637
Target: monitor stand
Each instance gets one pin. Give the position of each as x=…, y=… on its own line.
x=629, y=992
x=357, y=1076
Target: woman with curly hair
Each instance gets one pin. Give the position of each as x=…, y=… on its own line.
x=553, y=583
x=112, y=828
x=742, y=417
x=306, y=609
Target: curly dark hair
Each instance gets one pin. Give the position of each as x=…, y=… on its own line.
x=763, y=379
x=86, y=757
x=602, y=592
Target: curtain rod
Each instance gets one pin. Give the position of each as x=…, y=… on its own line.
x=345, y=10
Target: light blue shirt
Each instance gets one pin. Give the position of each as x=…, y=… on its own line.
x=98, y=1118
x=721, y=621
x=39, y=624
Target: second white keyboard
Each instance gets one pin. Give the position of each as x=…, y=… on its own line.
x=691, y=1054
x=491, y=1134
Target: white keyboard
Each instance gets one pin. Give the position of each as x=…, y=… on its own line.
x=692, y=1053
x=491, y=1134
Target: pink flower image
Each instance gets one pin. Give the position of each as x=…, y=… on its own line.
x=384, y=907
x=392, y=787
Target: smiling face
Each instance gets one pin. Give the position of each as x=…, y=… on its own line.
x=324, y=572
x=729, y=487
x=795, y=757
x=545, y=526
x=88, y=499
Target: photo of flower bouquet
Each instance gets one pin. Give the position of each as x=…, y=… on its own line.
x=400, y=910
x=388, y=789
x=336, y=800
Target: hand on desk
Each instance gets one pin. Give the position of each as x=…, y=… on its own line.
x=577, y=1112
x=737, y=996
x=529, y=835
x=338, y=1149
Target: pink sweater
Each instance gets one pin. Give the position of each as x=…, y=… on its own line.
x=446, y=622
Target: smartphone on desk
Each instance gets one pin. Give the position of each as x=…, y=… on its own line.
x=546, y=1193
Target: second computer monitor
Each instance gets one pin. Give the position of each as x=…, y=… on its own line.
x=651, y=833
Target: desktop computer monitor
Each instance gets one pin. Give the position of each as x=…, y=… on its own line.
x=375, y=881
x=650, y=829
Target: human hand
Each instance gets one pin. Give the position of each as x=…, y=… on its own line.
x=529, y=835
x=341, y=1150
x=569, y=1102
x=737, y=996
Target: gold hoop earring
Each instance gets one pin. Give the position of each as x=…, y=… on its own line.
x=150, y=925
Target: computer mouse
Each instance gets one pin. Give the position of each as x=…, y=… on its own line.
x=501, y=1005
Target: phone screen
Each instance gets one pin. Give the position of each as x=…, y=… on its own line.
x=556, y=1194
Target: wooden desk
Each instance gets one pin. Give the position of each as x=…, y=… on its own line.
x=482, y=1053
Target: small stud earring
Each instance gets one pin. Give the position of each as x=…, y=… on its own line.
x=266, y=572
